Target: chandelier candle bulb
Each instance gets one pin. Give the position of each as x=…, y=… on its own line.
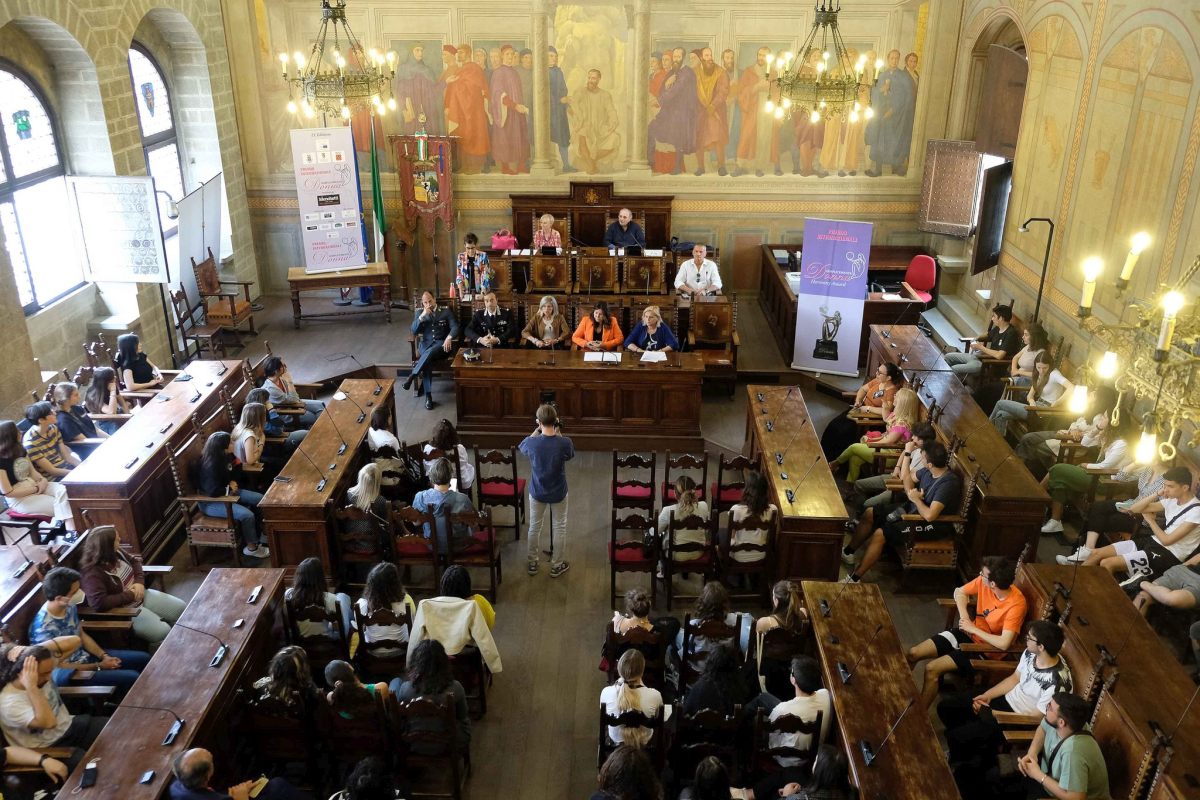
x=1139, y=243
x=1172, y=303
x=1092, y=267
x=1147, y=446
x=1108, y=365
x=1079, y=399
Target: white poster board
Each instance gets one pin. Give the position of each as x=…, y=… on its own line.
x=118, y=228
x=326, y=172
x=200, y=229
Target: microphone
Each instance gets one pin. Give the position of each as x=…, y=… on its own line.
x=791, y=493
x=987, y=479
x=864, y=746
x=362, y=414
x=1167, y=738
x=827, y=608
x=329, y=416
x=963, y=440
x=194, y=397
x=888, y=333
x=321, y=483
x=378, y=385
x=904, y=356
x=525, y=267
x=779, y=456
x=31, y=527
x=846, y=673
x=787, y=398
x=224, y=368
x=175, y=729
x=222, y=651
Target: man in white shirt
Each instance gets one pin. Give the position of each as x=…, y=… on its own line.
x=810, y=700
x=698, y=276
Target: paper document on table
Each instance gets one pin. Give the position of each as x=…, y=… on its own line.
x=650, y=252
x=890, y=296
x=611, y=358
x=654, y=355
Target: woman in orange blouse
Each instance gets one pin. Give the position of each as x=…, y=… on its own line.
x=598, y=331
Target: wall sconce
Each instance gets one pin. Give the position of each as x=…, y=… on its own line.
x=1092, y=267
x=1141, y=240
x=1147, y=445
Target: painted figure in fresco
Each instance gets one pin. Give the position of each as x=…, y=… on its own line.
x=732, y=112
x=675, y=125
x=466, y=101
x=783, y=134
x=560, y=124
x=510, y=115
x=889, y=133
x=480, y=57
x=658, y=78
x=810, y=136
x=417, y=93
x=595, y=121
x=754, y=138
x=525, y=71
x=712, y=121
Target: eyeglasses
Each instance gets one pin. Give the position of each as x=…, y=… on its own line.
x=1029, y=638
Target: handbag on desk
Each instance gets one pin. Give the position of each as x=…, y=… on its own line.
x=503, y=240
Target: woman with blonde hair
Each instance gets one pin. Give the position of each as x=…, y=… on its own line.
x=546, y=234
x=906, y=412
x=364, y=495
x=248, y=436
x=547, y=328
x=629, y=694
x=651, y=334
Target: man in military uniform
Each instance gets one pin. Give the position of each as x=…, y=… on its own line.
x=435, y=329
x=491, y=326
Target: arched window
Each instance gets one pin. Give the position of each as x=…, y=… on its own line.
x=33, y=195
x=160, y=141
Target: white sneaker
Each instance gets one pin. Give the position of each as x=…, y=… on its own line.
x=849, y=559
x=262, y=552
x=1078, y=557
x=851, y=578
x=1052, y=526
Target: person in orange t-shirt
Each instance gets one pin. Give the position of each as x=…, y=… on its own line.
x=999, y=614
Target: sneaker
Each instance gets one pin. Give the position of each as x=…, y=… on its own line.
x=1078, y=557
x=849, y=557
x=558, y=568
x=1052, y=526
x=262, y=551
x=532, y=566
x=851, y=578
x=1134, y=581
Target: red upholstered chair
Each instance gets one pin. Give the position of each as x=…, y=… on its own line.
x=727, y=491
x=631, y=550
x=500, y=486
x=921, y=276
x=631, y=491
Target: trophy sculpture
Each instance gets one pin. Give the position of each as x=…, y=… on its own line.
x=827, y=348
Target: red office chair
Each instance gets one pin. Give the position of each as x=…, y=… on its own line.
x=921, y=276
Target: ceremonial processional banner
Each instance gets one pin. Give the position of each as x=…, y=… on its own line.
x=327, y=187
x=833, y=290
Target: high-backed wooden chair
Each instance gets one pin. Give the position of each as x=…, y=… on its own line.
x=655, y=748
x=693, y=464
x=778, y=647
x=223, y=307
x=764, y=755
x=726, y=492
x=380, y=659
x=431, y=757
x=497, y=484
x=205, y=335
x=940, y=553
x=712, y=334
x=636, y=491
x=362, y=539
x=678, y=558
x=202, y=530
x=283, y=733
x=483, y=552
x=752, y=561
x=708, y=733
x=698, y=639
x=331, y=644
x=412, y=548
x=359, y=729
x=631, y=553
x=651, y=644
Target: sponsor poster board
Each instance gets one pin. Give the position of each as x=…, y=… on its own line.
x=326, y=170
x=829, y=304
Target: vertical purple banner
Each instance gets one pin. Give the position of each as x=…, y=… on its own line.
x=833, y=289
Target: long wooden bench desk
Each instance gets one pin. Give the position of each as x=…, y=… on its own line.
x=298, y=518
x=813, y=522
x=911, y=764
x=632, y=404
x=179, y=678
x=37, y=558
x=127, y=481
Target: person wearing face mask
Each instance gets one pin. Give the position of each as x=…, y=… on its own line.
x=91, y=663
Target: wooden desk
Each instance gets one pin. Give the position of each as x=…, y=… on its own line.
x=587, y=209
x=810, y=535
x=126, y=481
x=179, y=678
x=13, y=588
x=912, y=764
x=631, y=405
x=376, y=275
x=298, y=518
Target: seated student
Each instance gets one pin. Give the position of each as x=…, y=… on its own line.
x=32, y=713
x=25, y=490
x=711, y=782
x=651, y=334
x=44, y=443
x=136, y=371
x=457, y=624
x=371, y=779
x=193, y=771
x=830, y=780
x=111, y=579
x=215, y=475
x=308, y=589
x=364, y=495
x=1114, y=517
x=1067, y=482
x=55, y=770
x=274, y=426
x=440, y=501
x=628, y=774
x=719, y=687
x=248, y=437
x=934, y=491
x=1000, y=611
x=598, y=331
x=103, y=396
x=72, y=418
x=897, y=432
x=699, y=276
x=1178, y=588
x=1039, y=449
x=912, y=460
x=346, y=689
x=445, y=438
x=492, y=326
x=810, y=699
x=630, y=694
x=685, y=505
x=385, y=590
x=713, y=604
x=787, y=612
x=435, y=329
x=289, y=681
x=385, y=448
x=547, y=328
x=1064, y=759
x=873, y=399
x=1148, y=557
x=429, y=675
x=971, y=730
x=1050, y=390
x=754, y=504
x=59, y=616
x=1001, y=340
x=281, y=391
x=456, y=582
x=473, y=272
x=637, y=613
x=1021, y=371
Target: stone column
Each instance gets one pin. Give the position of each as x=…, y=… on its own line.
x=641, y=88
x=541, y=163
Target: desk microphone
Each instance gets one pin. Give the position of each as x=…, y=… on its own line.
x=962, y=441
x=175, y=729
x=986, y=478
x=224, y=368
x=827, y=608
x=791, y=493
x=868, y=754
x=321, y=483
x=779, y=456
x=844, y=672
x=222, y=651
x=362, y=414
x=912, y=344
x=194, y=397
x=888, y=333
x=378, y=385
x=31, y=527
x=787, y=398
x=336, y=430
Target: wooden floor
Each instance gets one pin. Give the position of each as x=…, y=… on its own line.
x=538, y=739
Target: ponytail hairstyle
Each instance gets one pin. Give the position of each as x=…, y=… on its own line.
x=363, y=494
x=685, y=497
x=62, y=395
x=630, y=668
x=346, y=688
x=789, y=603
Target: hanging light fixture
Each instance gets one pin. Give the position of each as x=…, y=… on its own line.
x=823, y=81
x=338, y=77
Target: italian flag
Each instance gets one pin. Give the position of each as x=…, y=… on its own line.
x=377, y=200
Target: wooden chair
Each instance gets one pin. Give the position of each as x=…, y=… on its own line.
x=764, y=755
x=713, y=632
x=705, y=563
x=412, y=548
x=205, y=335
x=484, y=551
x=652, y=644
x=202, y=530
x=357, y=730
x=501, y=486
x=759, y=569
x=430, y=755
x=362, y=538
x=469, y=670
x=708, y=733
x=632, y=492
x=451, y=455
x=942, y=553
x=726, y=492
x=778, y=647
x=320, y=647
x=686, y=463
x=655, y=748
x=380, y=659
x=283, y=734
x=228, y=311
x=712, y=334
x=638, y=553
